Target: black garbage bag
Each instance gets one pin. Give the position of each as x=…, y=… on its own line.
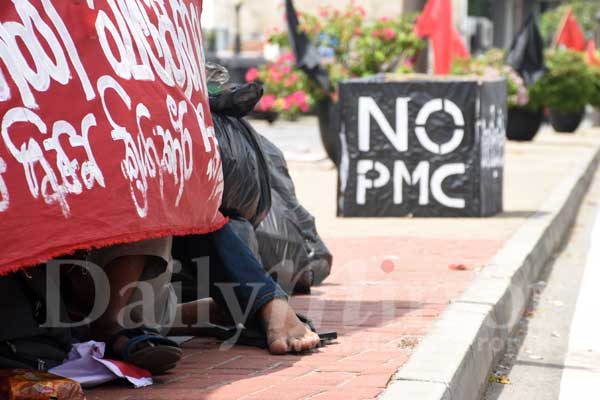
x=247, y=191
x=290, y=247
x=282, y=249
x=236, y=101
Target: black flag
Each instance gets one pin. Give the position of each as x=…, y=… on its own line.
x=526, y=54
x=307, y=55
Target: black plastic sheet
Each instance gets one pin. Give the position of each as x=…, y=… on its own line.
x=306, y=53
x=423, y=148
x=289, y=244
x=526, y=54
x=246, y=192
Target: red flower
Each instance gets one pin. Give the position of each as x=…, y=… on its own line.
x=266, y=103
x=286, y=69
x=384, y=33
x=291, y=80
x=388, y=33
x=299, y=99
x=252, y=75
x=289, y=57
x=275, y=77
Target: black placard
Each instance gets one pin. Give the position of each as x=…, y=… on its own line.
x=422, y=148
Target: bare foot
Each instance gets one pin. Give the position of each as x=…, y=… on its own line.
x=285, y=332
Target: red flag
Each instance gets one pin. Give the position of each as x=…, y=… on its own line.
x=459, y=50
x=570, y=34
x=436, y=23
x=106, y=133
x=592, y=56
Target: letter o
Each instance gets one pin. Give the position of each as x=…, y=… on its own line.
x=431, y=107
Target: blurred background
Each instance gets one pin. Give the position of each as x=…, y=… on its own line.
x=241, y=28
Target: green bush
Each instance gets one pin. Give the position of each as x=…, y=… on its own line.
x=595, y=93
x=568, y=84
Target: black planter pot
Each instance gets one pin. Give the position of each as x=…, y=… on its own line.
x=523, y=124
x=329, y=125
x=565, y=122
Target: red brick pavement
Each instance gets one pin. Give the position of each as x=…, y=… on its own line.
x=382, y=297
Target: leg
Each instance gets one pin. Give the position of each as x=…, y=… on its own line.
x=124, y=265
x=285, y=332
x=232, y=263
x=120, y=272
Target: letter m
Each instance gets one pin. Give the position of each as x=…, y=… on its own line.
x=420, y=175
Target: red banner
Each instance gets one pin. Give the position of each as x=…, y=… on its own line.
x=106, y=134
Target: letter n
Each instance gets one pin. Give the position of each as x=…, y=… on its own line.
x=367, y=108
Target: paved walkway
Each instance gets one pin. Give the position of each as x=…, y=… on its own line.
x=391, y=280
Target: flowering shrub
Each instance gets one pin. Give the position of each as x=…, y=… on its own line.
x=389, y=45
x=349, y=45
x=491, y=65
x=286, y=89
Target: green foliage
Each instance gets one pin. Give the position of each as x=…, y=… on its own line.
x=478, y=8
x=567, y=86
x=491, y=65
x=595, y=92
x=584, y=11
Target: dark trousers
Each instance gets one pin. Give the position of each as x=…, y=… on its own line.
x=220, y=265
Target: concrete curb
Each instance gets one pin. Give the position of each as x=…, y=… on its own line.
x=453, y=361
